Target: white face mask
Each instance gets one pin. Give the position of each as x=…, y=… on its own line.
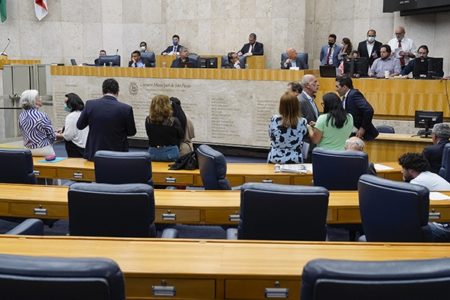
x=143, y=48
x=371, y=39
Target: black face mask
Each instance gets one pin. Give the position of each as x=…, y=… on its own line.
x=330, y=44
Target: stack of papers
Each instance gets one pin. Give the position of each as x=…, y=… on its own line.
x=293, y=168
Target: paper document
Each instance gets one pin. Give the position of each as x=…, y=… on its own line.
x=438, y=196
x=293, y=168
x=380, y=167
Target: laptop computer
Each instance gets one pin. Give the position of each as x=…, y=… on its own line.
x=73, y=62
x=327, y=71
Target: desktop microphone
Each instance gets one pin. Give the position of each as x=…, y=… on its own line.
x=7, y=45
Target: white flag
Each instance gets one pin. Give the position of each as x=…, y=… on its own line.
x=40, y=7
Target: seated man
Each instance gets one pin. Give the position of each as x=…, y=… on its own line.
x=386, y=63
x=251, y=48
x=175, y=48
x=415, y=169
x=292, y=61
x=356, y=144
x=136, y=61
x=440, y=136
x=143, y=46
x=101, y=53
x=423, y=55
x=183, y=61
x=233, y=61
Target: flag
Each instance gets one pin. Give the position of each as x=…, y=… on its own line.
x=40, y=7
x=3, y=10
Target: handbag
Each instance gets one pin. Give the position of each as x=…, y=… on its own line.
x=186, y=162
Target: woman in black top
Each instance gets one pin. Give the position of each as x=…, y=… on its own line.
x=163, y=130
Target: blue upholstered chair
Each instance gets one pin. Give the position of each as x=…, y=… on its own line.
x=51, y=278
x=123, y=167
x=149, y=59
x=213, y=168
x=392, y=211
x=338, y=170
x=445, y=166
x=28, y=227
x=281, y=212
x=16, y=166
x=121, y=210
x=302, y=56
x=385, y=129
x=324, y=279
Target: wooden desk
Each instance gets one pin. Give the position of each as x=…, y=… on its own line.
x=237, y=173
x=256, y=62
x=164, y=61
x=200, y=269
x=4, y=62
x=389, y=147
x=180, y=206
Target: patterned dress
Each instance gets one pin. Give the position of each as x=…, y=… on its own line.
x=286, y=143
x=36, y=129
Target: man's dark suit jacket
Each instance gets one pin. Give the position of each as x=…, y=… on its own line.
x=433, y=154
x=110, y=123
x=362, y=113
x=170, y=49
x=188, y=63
x=298, y=61
x=362, y=49
x=258, y=48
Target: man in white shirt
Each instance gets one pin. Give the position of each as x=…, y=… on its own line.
x=403, y=47
x=415, y=169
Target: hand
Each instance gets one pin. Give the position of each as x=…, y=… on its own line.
x=402, y=53
x=239, y=53
x=360, y=133
x=164, y=53
x=312, y=123
x=59, y=131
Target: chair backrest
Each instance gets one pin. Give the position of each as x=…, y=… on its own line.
x=385, y=129
x=101, y=209
x=370, y=280
x=392, y=211
x=444, y=171
x=33, y=277
x=338, y=170
x=148, y=58
x=196, y=58
x=16, y=166
x=302, y=56
x=213, y=168
x=224, y=61
x=283, y=212
x=123, y=167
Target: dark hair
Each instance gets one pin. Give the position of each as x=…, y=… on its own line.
x=74, y=102
x=353, y=52
x=253, y=35
x=387, y=47
x=136, y=52
x=296, y=87
x=230, y=56
x=176, y=36
x=332, y=36
x=414, y=161
x=143, y=43
x=110, y=86
x=345, y=80
x=349, y=47
x=333, y=107
x=423, y=47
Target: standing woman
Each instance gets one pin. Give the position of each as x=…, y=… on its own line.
x=35, y=126
x=346, y=49
x=75, y=139
x=334, y=126
x=164, y=131
x=286, y=132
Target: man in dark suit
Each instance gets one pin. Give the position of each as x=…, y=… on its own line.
x=251, y=48
x=370, y=45
x=174, y=48
x=355, y=104
x=329, y=54
x=101, y=53
x=292, y=60
x=183, y=61
x=110, y=121
x=440, y=136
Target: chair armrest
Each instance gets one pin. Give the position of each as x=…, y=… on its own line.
x=232, y=234
x=28, y=227
x=169, y=233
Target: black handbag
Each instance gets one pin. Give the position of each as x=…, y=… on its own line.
x=186, y=162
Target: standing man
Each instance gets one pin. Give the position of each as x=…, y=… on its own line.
x=355, y=104
x=308, y=107
x=292, y=60
x=329, y=54
x=252, y=47
x=110, y=121
x=440, y=136
x=370, y=48
x=403, y=47
x=175, y=48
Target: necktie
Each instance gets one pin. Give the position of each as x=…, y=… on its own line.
x=175, y=49
x=402, y=58
x=328, y=56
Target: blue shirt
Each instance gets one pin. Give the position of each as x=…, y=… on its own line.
x=36, y=129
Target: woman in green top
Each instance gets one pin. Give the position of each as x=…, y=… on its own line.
x=334, y=126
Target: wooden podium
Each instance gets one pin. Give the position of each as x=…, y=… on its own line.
x=164, y=61
x=256, y=62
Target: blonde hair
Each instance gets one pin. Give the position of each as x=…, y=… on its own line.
x=160, y=109
x=289, y=110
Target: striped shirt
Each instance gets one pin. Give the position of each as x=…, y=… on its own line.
x=36, y=129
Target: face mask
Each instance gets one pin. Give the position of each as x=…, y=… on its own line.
x=371, y=39
x=175, y=43
x=330, y=44
x=143, y=48
x=67, y=108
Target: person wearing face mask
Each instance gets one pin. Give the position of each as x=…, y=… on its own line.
x=75, y=139
x=173, y=49
x=370, y=48
x=329, y=54
x=386, y=63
